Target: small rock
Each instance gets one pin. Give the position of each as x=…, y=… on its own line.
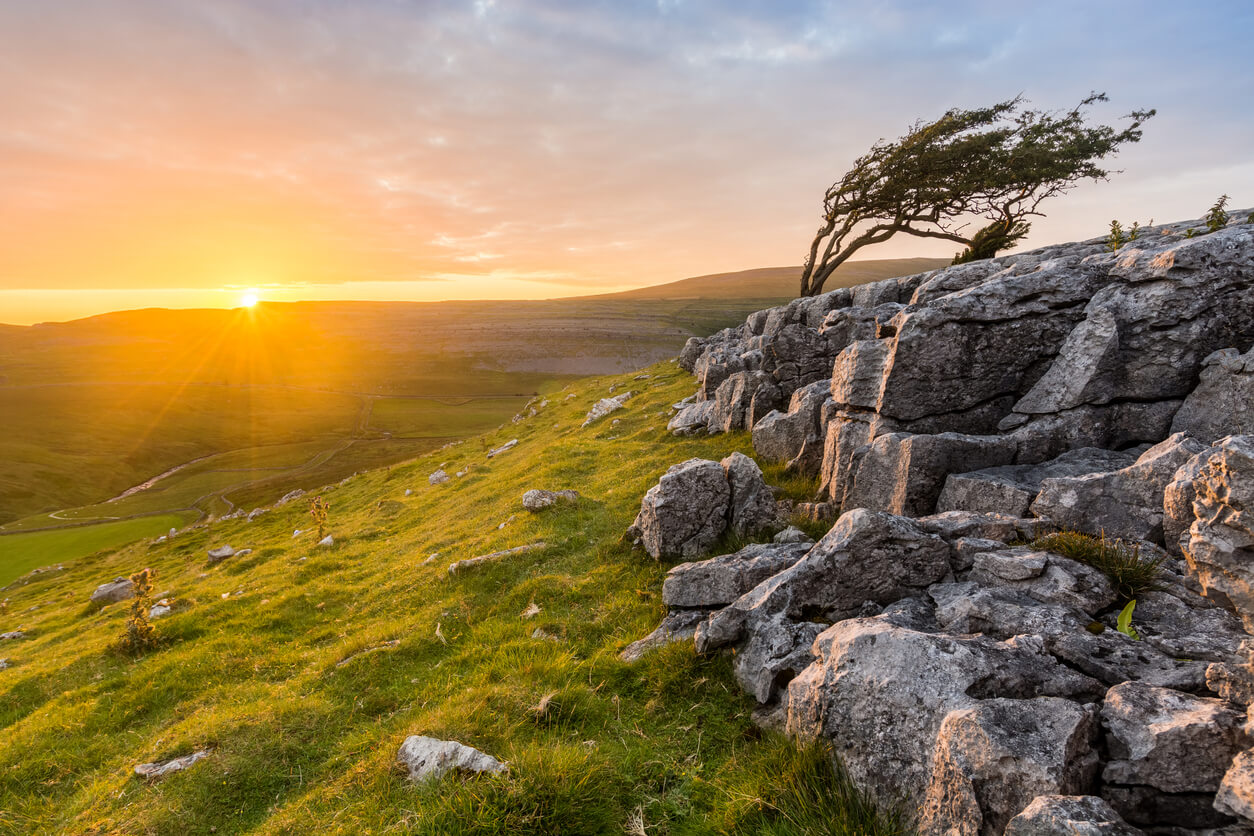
x=538, y=500
x=431, y=558
x=297, y=533
x=409, y=491
x=291, y=496
x=1069, y=815
x=1236, y=793
x=437, y=478
x=243, y=552
x=159, y=609
x=512, y=517
x=458, y=565
x=220, y=553
x=605, y=406
x=255, y=513
x=118, y=589
x=154, y=771
x=12, y=635
x=509, y=445
x=792, y=534
x=531, y=612
x=326, y=541
x=676, y=627
x=4, y=664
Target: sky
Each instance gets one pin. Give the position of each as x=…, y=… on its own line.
x=180, y=154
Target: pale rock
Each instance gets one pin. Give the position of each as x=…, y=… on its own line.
x=1223, y=401
x=1220, y=550
x=220, y=553
x=751, y=504
x=1069, y=815
x=792, y=534
x=327, y=541
x=678, y=626
x=439, y=477
x=604, y=407
x=1010, y=489
x=1236, y=792
x=537, y=500
x=720, y=580
x=118, y=589
x=504, y=448
x=156, y=771
x=428, y=758
x=685, y=512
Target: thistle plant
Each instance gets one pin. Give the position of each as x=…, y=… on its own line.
x=319, y=509
x=140, y=635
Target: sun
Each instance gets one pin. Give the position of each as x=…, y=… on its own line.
x=249, y=299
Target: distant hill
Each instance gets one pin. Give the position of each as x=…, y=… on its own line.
x=777, y=282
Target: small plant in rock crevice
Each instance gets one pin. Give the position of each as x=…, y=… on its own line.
x=1216, y=216
x=1129, y=571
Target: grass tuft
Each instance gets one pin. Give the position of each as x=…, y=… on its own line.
x=1129, y=571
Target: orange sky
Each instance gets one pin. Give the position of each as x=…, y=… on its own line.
x=177, y=153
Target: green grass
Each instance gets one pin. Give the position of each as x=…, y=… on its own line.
x=1128, y=570
x=19, y=553
x=302, y=744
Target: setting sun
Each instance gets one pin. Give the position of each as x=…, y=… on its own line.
x=249, y=299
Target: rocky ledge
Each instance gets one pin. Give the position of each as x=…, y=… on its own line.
x=959, y=659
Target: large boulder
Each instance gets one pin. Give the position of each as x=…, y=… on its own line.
x=993, y=758
x=721, y=580
x=1223, y=401
x=1220, y=550
x=795, y=437
x=751, y=504
x=1126, y=503
x=880, y=694
x=685, y=512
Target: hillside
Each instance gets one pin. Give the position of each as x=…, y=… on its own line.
x=302, y=668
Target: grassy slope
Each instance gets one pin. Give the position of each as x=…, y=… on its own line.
x=302, y=744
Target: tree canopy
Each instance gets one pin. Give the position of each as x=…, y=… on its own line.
x=997, y=163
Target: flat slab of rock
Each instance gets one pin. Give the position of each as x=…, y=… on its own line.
x=1010, y=489
x=458, y=565
x=118, y=589
x=428, y=758
x=221, y=553
x=676, y=627
x=720, y=580
x=538, y=500
x=155, y=771
x=605, y=406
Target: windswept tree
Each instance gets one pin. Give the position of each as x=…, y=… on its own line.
x=997, y=163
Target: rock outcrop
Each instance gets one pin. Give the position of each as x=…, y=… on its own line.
x=953, y=417
x=428, y=758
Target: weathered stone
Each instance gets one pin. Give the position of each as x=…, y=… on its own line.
x=1168, y=813
x=1220, y=552
x=993, y=758
x=792, y=534
x=1185, y=626
x=777, y=650
x=693, y=419
x=458, y=565
x=1057, y=581
x=537, y=500
x=118, y=589
x=1010, y=489
x=221, y=553
x=428, y=758
x=733, y=398
x=721, y=580
x=685, y=512
x=858, y=373
x=794, y=437
x=751, y=504
x=885, y=730
x=677, y=626
x=603, y=407
x=1178, y=498
x=1069, y=815
x=1125, y=503
x=1223, y=401
x=439, y=477
x=867, y=556
x=156, y=771
x=1236, y=792
x=1168, y=740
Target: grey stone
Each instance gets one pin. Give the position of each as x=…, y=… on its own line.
x=428, y=758
x=156, y=771
x=1220, y=551
x=993, y=758
x=439, y=477
x=1222, y=403
x=118, y=589
x=221, y=553
x=1069, y=815
x=792, y=534
x=685, y=512
x=1178, y=498
x=693, y=419
x=1010, y=489
x=718, y=581
x=751, y=504
x=603, y=407
x=885, y=730
x=1169, y=814
x=1126, y=503
x=1168, y=740
x=1058, y=580
x=1236, y=791
x=537, y=500
x=677, y=626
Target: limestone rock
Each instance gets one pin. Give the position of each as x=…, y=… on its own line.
x=678, y=626
x=720, y=580
x=1010, y=489
x=1236, y=792
x=537, y=500
x=118, y=589
x=506, y=447
x=1125, y=504
x=438, y=478
x=792, y=534
x=993, y=758
x=604, y=407
x=221, y=553
x=1223, y=401
x=886, y=730
x=693, y=419
x=1168, y=740
x=1069, y=815
x=1047, y=577
x=751, y=504
x=156, y=771
x=429, y=758
x=1220, y=551
x=685, y=512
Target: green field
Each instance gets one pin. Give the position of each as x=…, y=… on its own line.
x=303, y=669
x=19, y=553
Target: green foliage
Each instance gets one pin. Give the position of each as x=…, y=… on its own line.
x=999, y=162
x=1129, y=572
x=1124, y=622
x=804, y=791
x=140, y=635
x=1118, y=236
x=1190, y=233
x=320, y=510
x=1216, y=216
